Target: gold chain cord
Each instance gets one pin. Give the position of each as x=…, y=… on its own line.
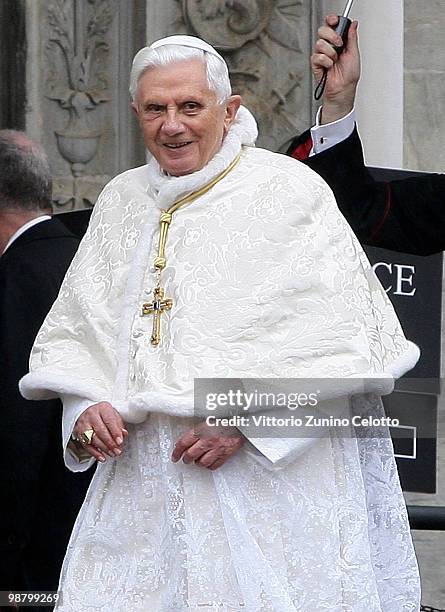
x=166, y=216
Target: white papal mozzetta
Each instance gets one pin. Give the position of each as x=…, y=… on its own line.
x=267, y=280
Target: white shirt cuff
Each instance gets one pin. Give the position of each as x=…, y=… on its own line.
x=277, y=452
x=73, y=406
x=326, y=136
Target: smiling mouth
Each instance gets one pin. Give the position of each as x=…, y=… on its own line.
x=176, y=145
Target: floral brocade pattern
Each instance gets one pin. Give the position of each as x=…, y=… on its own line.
x=267, y=280
x=266, y=277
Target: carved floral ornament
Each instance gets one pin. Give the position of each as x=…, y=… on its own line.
x=260, y=40
x=229, y=24
x=77, y=49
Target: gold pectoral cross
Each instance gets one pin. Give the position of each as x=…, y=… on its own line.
x=159, y=304
x=156, y=308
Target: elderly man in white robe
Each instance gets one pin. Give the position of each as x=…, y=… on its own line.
x=218, y=259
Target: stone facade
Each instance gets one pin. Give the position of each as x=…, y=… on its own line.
x=266, y=44
x=76, y=61
x=424, y=129
x=76, y=102
x=424, y=115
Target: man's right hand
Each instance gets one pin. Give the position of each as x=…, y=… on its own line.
x=109, y=430
x=343, y=70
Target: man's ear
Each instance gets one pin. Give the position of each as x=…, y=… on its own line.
x=135, y=109
x=232, y=106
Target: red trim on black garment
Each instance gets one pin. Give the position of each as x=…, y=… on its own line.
x=303, y=150
x=388, y=205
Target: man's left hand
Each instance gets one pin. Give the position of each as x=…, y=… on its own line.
x=343, y=71
x=208, y=446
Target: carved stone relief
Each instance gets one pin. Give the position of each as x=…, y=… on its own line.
x=77, y=52
x=229, y=25
x=78, y=62
x=266, y=45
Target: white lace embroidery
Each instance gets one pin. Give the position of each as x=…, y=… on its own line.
x=321, y=535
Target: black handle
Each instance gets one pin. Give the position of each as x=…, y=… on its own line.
x=342, y=30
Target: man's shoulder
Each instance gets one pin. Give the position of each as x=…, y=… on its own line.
x=42, y=241
x=54, y=241
x=38, y=264
x=134, y=177
x=51, y=228
x=279, y=163
x=122, y=190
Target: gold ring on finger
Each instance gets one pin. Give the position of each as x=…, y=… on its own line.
x=87, y=436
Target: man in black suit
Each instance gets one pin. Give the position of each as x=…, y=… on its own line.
x=406, y=215
x=40, y=497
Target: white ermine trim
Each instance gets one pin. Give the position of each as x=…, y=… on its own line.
x=43, y=386
x=136, y=409
x=131, y=306
x=405, y=362
x=243, y=131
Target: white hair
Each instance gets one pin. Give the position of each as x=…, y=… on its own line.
x=217, y=72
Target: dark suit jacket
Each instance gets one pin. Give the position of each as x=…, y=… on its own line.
x=406, y=215
x=40, y=497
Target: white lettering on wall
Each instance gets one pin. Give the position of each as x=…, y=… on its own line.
x=400, y=275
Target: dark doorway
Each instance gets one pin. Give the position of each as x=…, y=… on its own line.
x=12, y=64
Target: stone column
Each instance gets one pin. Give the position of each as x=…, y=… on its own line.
x=380, y=97
x=424, y=85
x=266, y=44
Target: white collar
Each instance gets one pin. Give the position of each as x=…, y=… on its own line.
x=24, y=228
x=167, y=189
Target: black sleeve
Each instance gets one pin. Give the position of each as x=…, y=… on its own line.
x=30, y=278
x=415, y=220
x=406, y=215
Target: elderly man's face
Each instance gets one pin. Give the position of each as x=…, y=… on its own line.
x=182, y=123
